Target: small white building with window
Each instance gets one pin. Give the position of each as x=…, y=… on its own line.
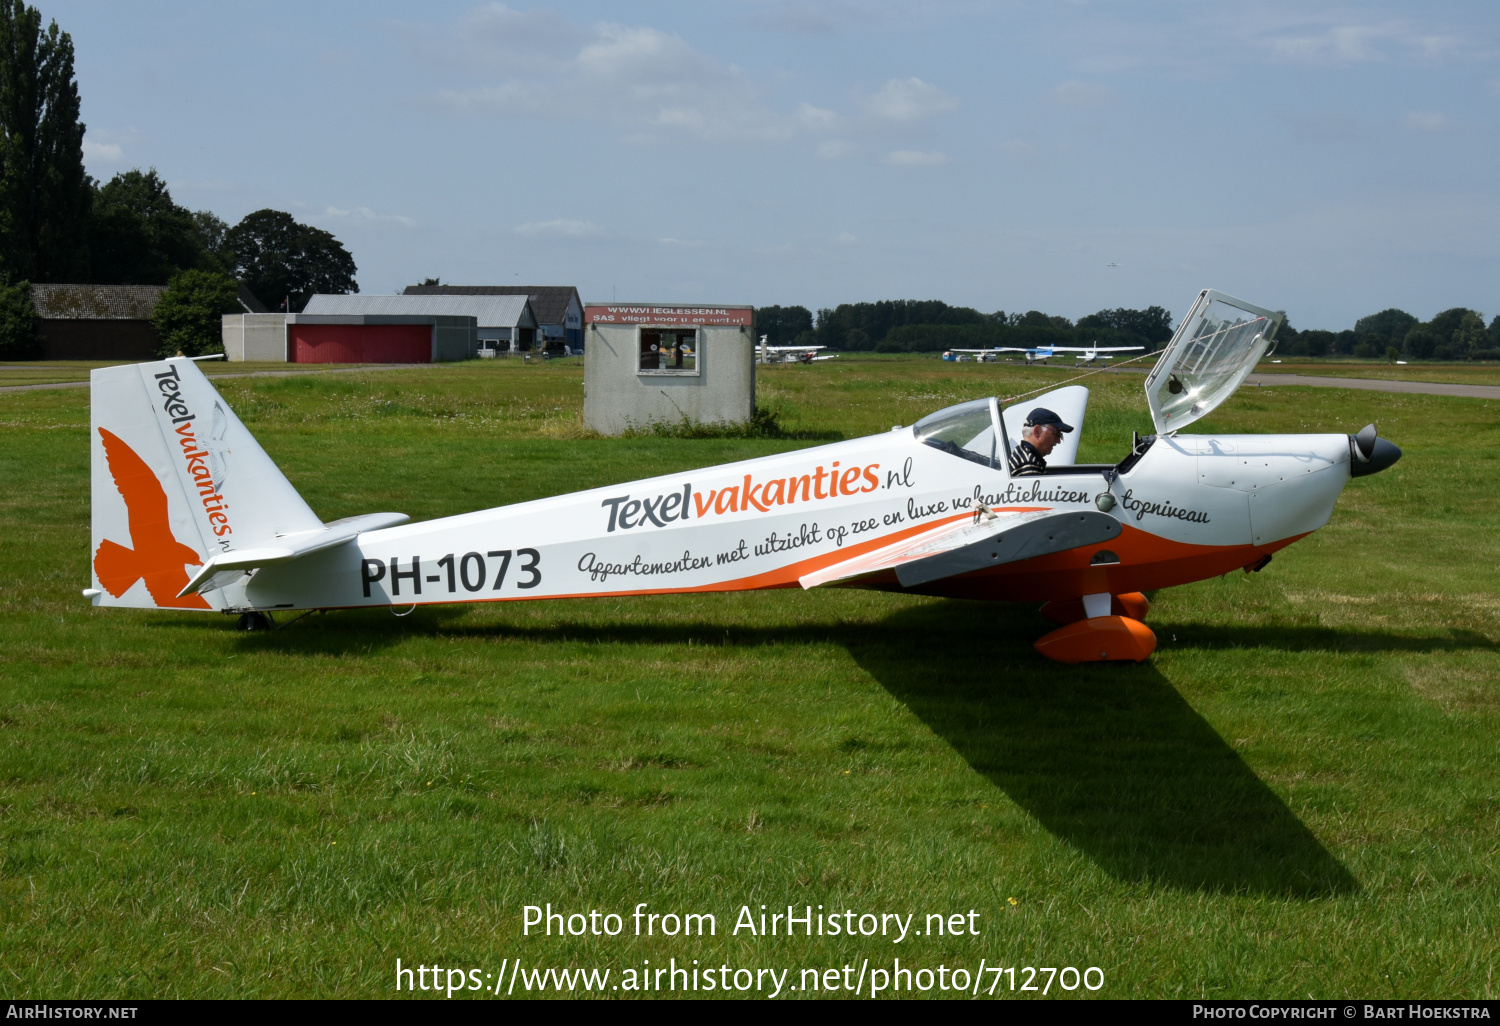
x=661, y=363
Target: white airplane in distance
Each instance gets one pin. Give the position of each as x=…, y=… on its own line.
x=189, y=513
x=1041, y=354
x=790, y=354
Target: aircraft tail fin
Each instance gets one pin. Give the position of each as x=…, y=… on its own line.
x=176, y=480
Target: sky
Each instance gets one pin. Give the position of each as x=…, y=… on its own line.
x=1328, y=159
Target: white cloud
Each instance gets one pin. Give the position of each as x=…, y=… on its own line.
x=684, y=243
x=651, y=83
x=908, y=99
x=1018, y=147
x=914, y=158
x=103, y=153
x=560, y=229
x=846, y=238
x=368, y=215
x=1426, y=121
x=1341, y=43
x=833, y=149
x=639, y=77
x=510, y=38
x=1081, y=94
x=1363, y=43
x=816, y=118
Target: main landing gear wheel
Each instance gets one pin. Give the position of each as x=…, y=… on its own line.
x=253, y=622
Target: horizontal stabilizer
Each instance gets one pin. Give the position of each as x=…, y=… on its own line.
x=966, y=546
x=288, y=547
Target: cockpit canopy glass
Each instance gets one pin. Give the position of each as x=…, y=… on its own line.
x=966, y=431
x=1215, y=347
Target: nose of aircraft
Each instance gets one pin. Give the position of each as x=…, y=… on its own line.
x=1369, y=453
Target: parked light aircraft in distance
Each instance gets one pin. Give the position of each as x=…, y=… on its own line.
x=189, y=513
x=1041, y=354
x=790, y=354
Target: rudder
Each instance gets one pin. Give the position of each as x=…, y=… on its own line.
x=176, y=479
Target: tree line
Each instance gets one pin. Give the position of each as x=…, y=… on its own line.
x=59, y=225
x=930, y=326
x=1456, y=334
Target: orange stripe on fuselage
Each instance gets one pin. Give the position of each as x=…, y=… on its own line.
x=1147, y=562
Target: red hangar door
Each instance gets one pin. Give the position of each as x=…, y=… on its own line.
x=359, y=343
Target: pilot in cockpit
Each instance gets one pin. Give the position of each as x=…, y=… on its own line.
x=1043, y=429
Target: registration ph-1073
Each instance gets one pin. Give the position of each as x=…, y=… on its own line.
x=472, y=571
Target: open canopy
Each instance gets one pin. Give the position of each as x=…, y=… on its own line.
x=1217, y=344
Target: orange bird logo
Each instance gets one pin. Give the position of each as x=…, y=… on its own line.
x=157, y=557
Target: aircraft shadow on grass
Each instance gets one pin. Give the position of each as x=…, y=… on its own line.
x=1107, y=757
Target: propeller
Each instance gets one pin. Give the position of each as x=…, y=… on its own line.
x=1369, y=453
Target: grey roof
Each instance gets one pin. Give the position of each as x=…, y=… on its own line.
x=548, y=302
x=95, y=302
x=489, y=311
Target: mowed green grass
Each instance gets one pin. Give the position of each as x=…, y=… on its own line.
x=1297, y=795
x=48, y=372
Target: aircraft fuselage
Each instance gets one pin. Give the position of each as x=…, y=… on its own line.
x=1192, y=507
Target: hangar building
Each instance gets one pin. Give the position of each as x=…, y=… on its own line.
x=504, y=323
x=349, y=338
x=104, y=322
x=558, y=310
x=660, y=363
x=97, y=322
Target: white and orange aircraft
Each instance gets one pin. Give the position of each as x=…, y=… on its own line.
x=190, y=513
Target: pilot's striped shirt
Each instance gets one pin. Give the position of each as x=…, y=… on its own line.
x=1026, y=461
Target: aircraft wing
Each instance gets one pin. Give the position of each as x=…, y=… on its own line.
x=1095, y=349
x=966, y=546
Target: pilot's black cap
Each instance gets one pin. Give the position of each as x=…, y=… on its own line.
x=1041, y=415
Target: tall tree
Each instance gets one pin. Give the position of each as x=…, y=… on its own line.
x=139, y=236
x=782, y=324
x=280, y=259
x=20, y=332
x=1446, y=323
x=187, y=316
x=1153, y=324
x=44, y=192
x=212, y=231
x=862, y=325
x=1392, y=323
x=1470, y=338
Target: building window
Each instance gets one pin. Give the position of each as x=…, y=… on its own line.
x=669, y=351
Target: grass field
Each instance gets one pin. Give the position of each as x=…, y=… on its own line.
x=1298, y=795
x=48, y=372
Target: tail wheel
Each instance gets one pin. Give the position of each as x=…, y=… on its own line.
x=254, y=622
